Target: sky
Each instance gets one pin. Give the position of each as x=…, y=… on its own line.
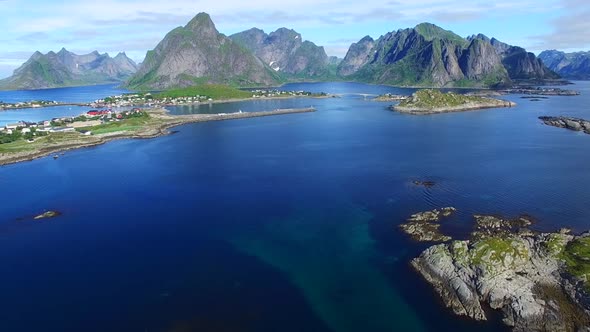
x=136, y=26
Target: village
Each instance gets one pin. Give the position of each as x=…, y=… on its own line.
x=113, y=109
x=28, y=104
x=154, y=100
x=30, y=130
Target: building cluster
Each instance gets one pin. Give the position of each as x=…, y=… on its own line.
x=266, y=93
x=68, y=124
x=27, y=104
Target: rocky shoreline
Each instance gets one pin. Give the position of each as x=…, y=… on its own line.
x=449, y=109
x=538, y=281
x=538, y=91
x=425, y=102
x=167, y=121
x=567, y=123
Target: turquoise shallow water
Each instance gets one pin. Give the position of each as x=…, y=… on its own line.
x=284, y=223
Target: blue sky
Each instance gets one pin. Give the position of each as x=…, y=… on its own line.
x=136, y=26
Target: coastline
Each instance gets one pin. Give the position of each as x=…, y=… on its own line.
x=151, y=131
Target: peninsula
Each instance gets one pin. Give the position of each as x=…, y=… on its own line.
x=430, y=101
x=82, y=133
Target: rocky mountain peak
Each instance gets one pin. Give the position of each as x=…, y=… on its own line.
x=431, y=31
x=202, y=23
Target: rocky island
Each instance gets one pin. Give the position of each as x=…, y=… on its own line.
x=424, y=226
x=434, y=101
x=539, y=281
x=567, y=123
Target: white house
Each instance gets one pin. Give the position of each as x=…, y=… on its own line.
x=25, y=130
x=13, y=125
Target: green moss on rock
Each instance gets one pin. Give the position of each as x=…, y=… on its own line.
x=577, y=259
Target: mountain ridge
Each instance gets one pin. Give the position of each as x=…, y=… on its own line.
x=430, y=56
x=65, y=68
x=574, y=65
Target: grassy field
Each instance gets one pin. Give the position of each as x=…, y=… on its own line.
x=44, y=142
x=434, y=98
x=213, y=91
x=131, y=124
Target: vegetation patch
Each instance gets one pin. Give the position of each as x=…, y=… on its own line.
x=429, y=98
x=498, y=252
x=133, y=123
x=577, y=259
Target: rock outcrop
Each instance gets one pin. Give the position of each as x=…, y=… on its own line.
x=567, y=123
x=424, y=226
x=539, y=282
x=47, y=215
x=198, y=53
x=64, y=68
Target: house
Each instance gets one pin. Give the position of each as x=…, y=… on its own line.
x=25, y=130
x=97, y=112
x=14, y=125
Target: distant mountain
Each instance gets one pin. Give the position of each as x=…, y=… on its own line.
x=285, y=52
x=428, y=55
x=522, y=64
x=65, y=68
x=198, y=53
x=574, y=66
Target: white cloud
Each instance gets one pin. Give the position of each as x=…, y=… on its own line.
x=570, y=30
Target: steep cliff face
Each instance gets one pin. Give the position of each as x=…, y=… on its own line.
x=425, y=55
x=285, y=51
x=198, y=53
x=65, y=68
x=480, y=62
x=428, y=55
x=574, y=66
x=521, y=64
x=357, y=56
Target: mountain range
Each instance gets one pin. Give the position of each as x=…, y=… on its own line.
x=425, y=55
x=428, y=55
x=574, y=66
x=285, y=52
x=65, y=68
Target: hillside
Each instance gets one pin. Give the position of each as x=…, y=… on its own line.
x=64, y=68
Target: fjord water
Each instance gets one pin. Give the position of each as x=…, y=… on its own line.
x=285, y=223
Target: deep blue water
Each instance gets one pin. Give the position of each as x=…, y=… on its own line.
x=285, y=223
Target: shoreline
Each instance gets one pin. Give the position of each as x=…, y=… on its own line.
x=151, y=131
x=218, y=101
